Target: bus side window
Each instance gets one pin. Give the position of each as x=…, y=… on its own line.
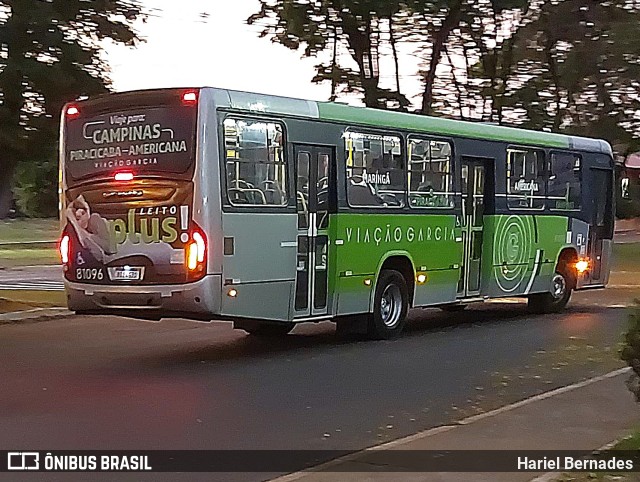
x=564, y=180
x=525, y=179
x=430, y=177
x=255, y=165
x=375, y=170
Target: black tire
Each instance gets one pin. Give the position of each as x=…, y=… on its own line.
x=390, y=306
x=267, y=330
x=453, y=308
x=556, y=299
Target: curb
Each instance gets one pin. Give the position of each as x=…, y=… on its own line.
x=39, y=314
x=446, y=428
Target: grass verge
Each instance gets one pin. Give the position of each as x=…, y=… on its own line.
x=20, y=300
x=630, y=443
x=11, y=258
x=17, y=230
x=626, y=257
x=28, y=230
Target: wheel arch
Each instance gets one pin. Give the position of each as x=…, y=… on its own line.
x=402, y=262
x=567, y=257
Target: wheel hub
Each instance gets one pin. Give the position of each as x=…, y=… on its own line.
x=559, y=286
x=391, y=306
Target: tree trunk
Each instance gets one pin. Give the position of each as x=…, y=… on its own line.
x=12, y=88
x=396, y=63
x=6, y=195
x=363, y=52
x=450, y=22
x=334, y=63
x=456, y=84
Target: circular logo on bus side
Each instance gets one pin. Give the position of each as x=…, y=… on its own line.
x=513, y=245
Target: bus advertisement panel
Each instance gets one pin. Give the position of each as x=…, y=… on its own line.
x=128, y=205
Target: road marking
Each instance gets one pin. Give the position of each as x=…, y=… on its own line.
x=446, y=428
x=35, y=285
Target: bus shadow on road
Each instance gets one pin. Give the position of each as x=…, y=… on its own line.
x=423, y=321
x=321, y=337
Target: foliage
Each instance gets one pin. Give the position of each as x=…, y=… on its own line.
x=485, y=42
x=36, y=187
x=364, y=29
x=630, y=352
x=569, y=66
x=50, y=54
x=321, y=25
x=582, y=57
x=566, y=66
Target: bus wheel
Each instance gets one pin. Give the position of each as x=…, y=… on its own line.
x=390, y=306
x=266, y=329
x=555, y=300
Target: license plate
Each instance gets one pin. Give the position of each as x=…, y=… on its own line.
x=126, y=273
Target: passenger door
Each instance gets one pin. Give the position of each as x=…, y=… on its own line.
x=601, y=223
x=474, y=189
x=313, y=170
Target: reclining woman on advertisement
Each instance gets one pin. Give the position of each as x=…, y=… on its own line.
x=92, y=230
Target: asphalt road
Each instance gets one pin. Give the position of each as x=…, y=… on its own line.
x=46, y=278
x=117, y=383
x=627, y=237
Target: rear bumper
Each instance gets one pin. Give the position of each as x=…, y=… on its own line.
x=198, y=300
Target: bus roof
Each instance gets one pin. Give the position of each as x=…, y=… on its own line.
x=332, y=111
x=449, y=127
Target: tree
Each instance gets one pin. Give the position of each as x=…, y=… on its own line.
x=567, y=66
x=335, y=25
x=439, y=28
x=50, y=54
x=571, y=67
x=363, y=26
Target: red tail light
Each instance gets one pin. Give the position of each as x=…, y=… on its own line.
x=123, y=176
x=196, y=251
x=190, y=97
x=65, y=248
x=73, y=111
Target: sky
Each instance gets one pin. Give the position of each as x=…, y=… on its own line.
x=182, y=50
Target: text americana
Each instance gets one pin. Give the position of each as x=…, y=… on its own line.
x=168, y=147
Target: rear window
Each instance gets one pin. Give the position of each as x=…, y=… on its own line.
x=144, y=140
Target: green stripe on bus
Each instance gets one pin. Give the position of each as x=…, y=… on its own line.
x=440, y=126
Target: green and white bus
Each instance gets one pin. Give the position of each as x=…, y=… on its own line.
x=214, y=204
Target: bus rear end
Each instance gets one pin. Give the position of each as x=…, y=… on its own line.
x=130, y=240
